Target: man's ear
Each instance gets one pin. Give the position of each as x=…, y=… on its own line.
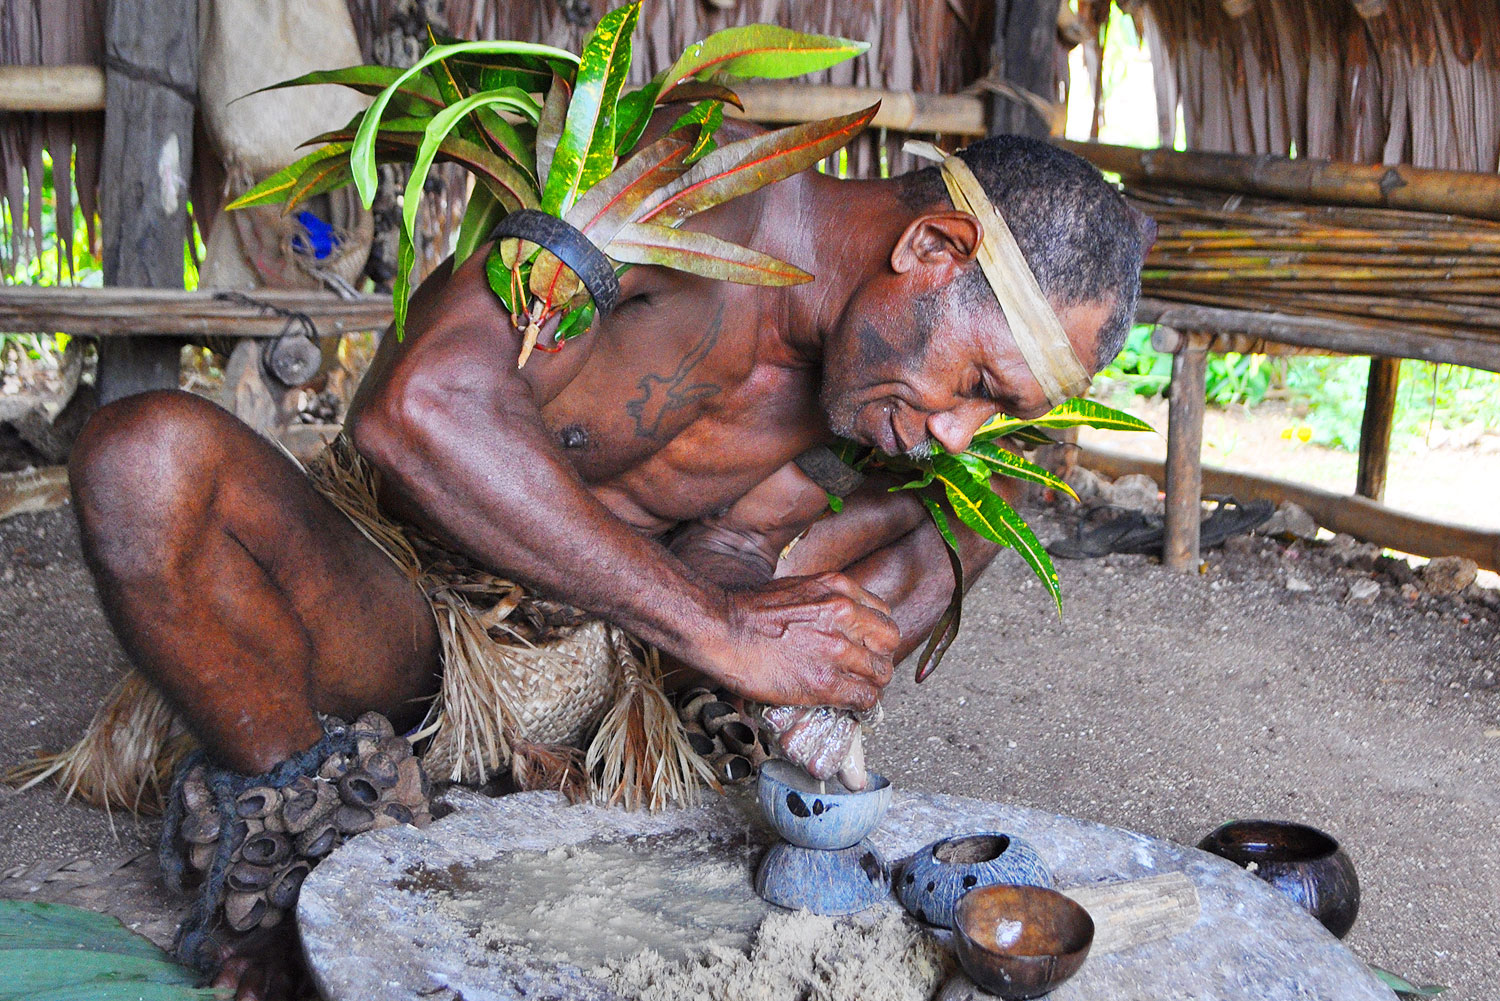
x=1145, y=226
x=944, y=241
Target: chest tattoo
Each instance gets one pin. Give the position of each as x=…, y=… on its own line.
x=660, y=395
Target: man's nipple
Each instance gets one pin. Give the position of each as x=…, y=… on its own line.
x=573, y=436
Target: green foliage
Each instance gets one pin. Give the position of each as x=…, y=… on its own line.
x=52, y=952
x=1405, y=988
x=1231, y=378
x=471, y=103
x=967, y=487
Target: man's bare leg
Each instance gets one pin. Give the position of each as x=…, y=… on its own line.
x=243, y=594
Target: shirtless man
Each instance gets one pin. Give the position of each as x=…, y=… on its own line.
x=644, y=473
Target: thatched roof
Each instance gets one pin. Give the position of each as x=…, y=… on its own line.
x=1368, y=81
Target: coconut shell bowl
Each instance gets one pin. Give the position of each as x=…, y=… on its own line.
x=1020, y=942
x=930, y=882
x=825, y=865
x=1301, y=862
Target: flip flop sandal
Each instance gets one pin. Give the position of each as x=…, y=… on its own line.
x=1232, y=518
x=1127, y=532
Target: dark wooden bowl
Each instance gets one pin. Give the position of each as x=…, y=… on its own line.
x=1020, y=942
x=1301, y=862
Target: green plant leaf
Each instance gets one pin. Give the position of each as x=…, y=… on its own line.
x=750, y=164
x=362, y=156
x=498, y=274
x=279, y=186
x=761, y=50
x=1406, y=988
x=575, y=323
x=633, y=114
x=370, y=80
x=586, y=150
x=610, y=204
x=992, y=518
x=1008, y=463
x=946, y=630
x=481, y=216
x=701, y=254
x=694, y=91
x=707, y=116
x=1066, y=415
x=514, y=188
x=549, y=127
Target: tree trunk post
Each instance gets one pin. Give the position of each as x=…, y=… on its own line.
x=151, y=85
x=1024, y=52
x=1375, y=430
x=1185, y=454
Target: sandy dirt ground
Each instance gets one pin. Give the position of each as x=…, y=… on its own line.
x=1160, y=702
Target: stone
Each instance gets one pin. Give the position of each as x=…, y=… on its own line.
x=1297, y=584
x=1136, y=492
x=371, y=930
x=1090, y=487
x=1290, y=522
x=1363, y=591
x=1448, y=575
x=1396, y=568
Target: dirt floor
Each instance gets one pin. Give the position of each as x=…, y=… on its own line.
x=1160, y=702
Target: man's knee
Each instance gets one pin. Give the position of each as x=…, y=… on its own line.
x=142, y=464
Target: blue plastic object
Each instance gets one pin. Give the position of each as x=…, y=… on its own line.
x=819, y=815
x=321, y=239
x=824, y=882
x=930, y=883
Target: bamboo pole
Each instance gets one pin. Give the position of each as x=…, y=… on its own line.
x=1304, y=180
x=116, y=312
x=901, y=110
x=1357, y=516
x=51, y=88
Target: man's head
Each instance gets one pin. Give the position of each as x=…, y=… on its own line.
x=924, y=351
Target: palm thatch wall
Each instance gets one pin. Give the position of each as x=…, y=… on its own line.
x=1366, y=81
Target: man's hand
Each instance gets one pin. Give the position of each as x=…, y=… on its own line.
x=806, y=641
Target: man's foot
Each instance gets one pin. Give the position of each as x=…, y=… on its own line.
x=264, y=966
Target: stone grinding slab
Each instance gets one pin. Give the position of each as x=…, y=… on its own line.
x=401, y=913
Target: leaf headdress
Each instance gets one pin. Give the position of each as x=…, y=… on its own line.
x=563, y=180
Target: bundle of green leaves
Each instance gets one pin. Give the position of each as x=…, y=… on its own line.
x=573, y=155
x=965, y=479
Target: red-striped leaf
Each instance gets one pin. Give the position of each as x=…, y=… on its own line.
x=763, y=50
x=750, y=164
x=701, y=254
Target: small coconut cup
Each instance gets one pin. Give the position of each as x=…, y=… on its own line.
x=1020, y=942
x=843, y=881
x=930, y=883
x=1301, y=862
x=823, y=815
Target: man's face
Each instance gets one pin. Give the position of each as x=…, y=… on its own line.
x=907, y=375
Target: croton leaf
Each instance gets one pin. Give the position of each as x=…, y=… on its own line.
x=610, y=204
x=707, y=116
x=633, y=114
x=1404, y=987
x=549, y=126
x=362, y=156
x=701, y=90
x=946, y=630
x=279, y=186
x=992, y=518
x=701, y=254
x=437, y=131
x=750, y=164
x=481, y=216
x=586, y=148
x=1071, y=413
x=419, y=91
x=513, y=187
x=1008, y=463
x=763, y=50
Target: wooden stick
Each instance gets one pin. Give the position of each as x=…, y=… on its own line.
x=902, y=110
x=1304, y=180
x=113, y=312
x=1136, y=911
x=1356, y=516
x=51, y=88
x=1375, y=429
x=1184, y=454
x=1342, y=336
